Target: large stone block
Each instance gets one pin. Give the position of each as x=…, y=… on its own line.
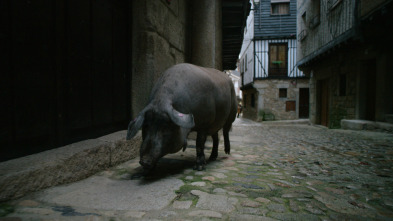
x=164, y=19
x=65, y=164
x=353, y=124
x=159, y=41
x=152, y=58
x=365, y=125
x=120, y=149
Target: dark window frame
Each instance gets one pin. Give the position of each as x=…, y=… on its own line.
x=283, y=93
x=275, y=6
x=290, y=106
x=277, y=69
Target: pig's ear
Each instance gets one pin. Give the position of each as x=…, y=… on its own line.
x=136, y=124
x=182, y=120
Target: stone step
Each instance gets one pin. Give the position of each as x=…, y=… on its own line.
x=366, y=125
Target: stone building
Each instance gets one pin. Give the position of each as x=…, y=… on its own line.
x=273, y=87
x=74, y=70
x=346, y=48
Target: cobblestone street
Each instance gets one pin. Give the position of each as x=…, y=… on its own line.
x=275, y=172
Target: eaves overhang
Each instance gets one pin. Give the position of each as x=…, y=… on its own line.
x=265, y=37
x=326, y=49
x=234, y=17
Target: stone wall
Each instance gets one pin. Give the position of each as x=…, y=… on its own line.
x=276, y=105
x=268, y=102
x=160, y=40
x=364, y=58
x=249, y=111
x=166, y=33
x=352, y=104
x=313, y=98
x=342, y=104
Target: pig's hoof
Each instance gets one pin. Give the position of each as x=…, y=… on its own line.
x=199, y=167
x=212, y=158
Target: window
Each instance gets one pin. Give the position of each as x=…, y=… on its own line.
x=278, y=53
x=304, y=17
x=279, y=7
x=290, y=106
x=282, y=93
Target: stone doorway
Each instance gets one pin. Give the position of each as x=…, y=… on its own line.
x=304, y=100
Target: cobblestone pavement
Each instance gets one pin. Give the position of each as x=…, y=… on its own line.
x=274, y=172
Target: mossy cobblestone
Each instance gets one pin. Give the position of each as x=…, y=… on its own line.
x=274, y=172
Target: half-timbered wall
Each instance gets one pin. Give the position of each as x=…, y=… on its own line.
x=246, y=61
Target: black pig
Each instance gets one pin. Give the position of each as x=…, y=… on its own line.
x=185, y=98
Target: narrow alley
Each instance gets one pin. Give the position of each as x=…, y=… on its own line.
x=311, y=79
x=275, y=172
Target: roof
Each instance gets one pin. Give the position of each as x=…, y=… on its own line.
x=234, y=17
